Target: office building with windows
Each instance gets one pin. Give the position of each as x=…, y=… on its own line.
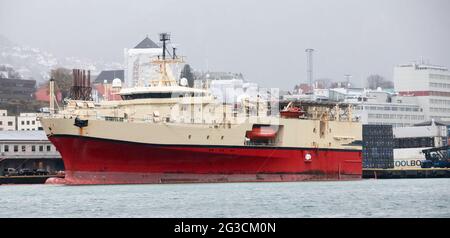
x=428, y=85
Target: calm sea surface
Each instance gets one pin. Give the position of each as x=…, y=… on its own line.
x=365, y=198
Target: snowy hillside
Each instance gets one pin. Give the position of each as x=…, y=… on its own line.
x=34, y=63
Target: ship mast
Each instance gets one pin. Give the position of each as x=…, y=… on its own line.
x=166, y=78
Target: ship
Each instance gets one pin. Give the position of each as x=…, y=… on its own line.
x=168, y=132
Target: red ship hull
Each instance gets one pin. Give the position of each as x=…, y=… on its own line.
x=102, y=161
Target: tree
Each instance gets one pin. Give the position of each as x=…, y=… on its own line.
x=374, y=81
x=187, y=73
x=63, y=81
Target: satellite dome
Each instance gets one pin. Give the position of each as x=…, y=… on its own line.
x=117, y=83
x=184, y=82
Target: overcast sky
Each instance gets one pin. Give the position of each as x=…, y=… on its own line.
x=265, y=40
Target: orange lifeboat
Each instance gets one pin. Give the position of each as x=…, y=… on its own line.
x=292, y=112
x=261, y=133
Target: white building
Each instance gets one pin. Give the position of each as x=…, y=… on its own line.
x=227, y=91
x=395, y=114
x=379, y=107
x=232, y=91
x=28, y=122
x=138, y=60
x=20, y=144
x=7, y=123
x=28, y=149
x=429, y=85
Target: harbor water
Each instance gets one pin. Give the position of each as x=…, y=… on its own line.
x=364, y=198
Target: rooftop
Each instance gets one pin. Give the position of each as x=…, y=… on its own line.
x=23, y=136
x=146, y=43
x=423, y=66
x=109, y=76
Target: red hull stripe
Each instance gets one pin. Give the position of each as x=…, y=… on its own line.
x=93, y=160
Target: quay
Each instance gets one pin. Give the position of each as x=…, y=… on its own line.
x=406, y=173
x=33, y=179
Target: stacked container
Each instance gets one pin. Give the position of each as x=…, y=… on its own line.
x=448, y=134
x=418, y=142
x=378, y=146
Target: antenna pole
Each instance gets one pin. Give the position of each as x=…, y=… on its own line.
x=164, y=37
x=309, y=68
x=52, y=95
